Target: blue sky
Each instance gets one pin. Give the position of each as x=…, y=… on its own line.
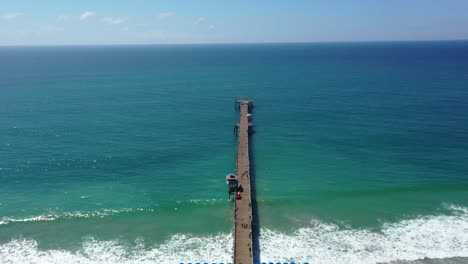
x=54, y=22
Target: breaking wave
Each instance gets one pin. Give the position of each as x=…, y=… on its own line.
x=434, y=237
x=107, y=212
x=71, y=215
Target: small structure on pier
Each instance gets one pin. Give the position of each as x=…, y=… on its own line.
x=231, y=181
x=244, y=101
x=239, y=103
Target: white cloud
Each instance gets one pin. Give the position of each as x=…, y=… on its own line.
x=114, y=20
x=199, y=20
x=87, y=15
x=211, y=27
x=166, y=15
x=11, y=16
x=61, y=18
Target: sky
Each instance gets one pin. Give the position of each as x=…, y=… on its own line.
x=91, y=22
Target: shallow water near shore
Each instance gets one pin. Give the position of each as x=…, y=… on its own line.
x=118, y=154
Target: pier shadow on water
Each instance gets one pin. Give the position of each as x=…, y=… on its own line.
x=253, y=189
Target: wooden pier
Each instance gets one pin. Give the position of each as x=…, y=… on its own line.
x=243, y=247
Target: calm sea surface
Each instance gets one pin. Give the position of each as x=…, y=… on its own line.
x=119, y=154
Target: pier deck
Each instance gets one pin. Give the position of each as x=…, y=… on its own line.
x=243, y=248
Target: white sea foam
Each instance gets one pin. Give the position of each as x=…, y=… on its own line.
x=71, y=215
x=456, y=208
x=425, y=237
x=100, y=213
x=205, y=201
x=178, y=248
x=441, y=236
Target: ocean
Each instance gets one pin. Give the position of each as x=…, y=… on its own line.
x=118, y=154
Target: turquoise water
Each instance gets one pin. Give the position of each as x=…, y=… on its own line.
x=118, y=154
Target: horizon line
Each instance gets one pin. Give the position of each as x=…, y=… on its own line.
x=236, y=43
